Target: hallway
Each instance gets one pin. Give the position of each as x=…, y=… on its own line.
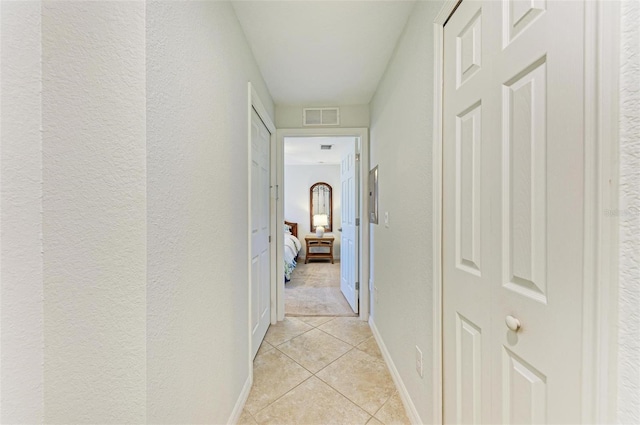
x=126, y=204
x=321, y=370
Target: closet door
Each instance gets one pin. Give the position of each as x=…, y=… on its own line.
x=513, y=201
x=260, y=245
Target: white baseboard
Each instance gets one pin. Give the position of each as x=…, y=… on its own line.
x=412, y=412
x=242, y=399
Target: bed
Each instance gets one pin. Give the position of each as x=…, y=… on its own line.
x=292, y=247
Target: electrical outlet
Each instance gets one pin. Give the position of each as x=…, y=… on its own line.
x=419, y=361
x=386, y=219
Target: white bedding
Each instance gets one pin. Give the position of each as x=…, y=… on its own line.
x=292, y=246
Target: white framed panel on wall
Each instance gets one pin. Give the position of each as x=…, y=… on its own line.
x=373, y=195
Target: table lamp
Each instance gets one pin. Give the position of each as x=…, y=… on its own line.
x=319, y=221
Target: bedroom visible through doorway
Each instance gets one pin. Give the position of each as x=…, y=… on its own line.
x=313, y=197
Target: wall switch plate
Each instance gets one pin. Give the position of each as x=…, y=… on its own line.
x=375, y=294
x=386, y=219
x=419, y=368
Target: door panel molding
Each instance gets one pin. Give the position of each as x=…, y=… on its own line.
x=601, y=194
x=524, y=131
x=524, y=385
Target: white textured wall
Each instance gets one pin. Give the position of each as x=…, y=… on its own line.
x=351, y=116
x=198, y=66
x=298, y=179
x=94, y=211
x=629, y=262
x=106, y=319
x=21, y=291
x=401, y=133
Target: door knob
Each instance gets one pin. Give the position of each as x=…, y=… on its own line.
x=340, y=229
x=512, y=323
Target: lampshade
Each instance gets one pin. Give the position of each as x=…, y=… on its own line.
x=320, y=220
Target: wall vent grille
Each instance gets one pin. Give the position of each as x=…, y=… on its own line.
x=320, y=116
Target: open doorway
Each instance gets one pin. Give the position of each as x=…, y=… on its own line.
x=304, y=166
x=317, y=204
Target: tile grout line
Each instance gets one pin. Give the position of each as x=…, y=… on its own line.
x=277, y=399
x=347, y=397
x=331, y=362
x=336, y=337
x=352, y=346
x=344, y=395
x=346, y=342
x=384, y=404
x=314, y=375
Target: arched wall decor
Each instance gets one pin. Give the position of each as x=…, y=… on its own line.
x=321, y=202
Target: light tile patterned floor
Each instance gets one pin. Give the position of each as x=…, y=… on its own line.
x=314, y=290
x=319, y=371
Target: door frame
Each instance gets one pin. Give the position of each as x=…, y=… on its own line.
x=363, y=263
x=599, y=301
x=254, y=102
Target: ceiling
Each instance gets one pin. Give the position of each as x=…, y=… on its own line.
x=306, y=150
x=322, y=53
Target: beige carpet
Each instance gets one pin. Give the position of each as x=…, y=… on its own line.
x=314, y=290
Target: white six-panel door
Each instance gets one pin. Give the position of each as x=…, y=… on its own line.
x=349, y=233
x=260, y=252
x=513, y=208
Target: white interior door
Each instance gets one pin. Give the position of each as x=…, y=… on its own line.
x=348, y=222
x=513, y=208
x=260, y=243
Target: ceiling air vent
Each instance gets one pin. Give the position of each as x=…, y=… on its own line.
x=320, y=116
x=326, y=147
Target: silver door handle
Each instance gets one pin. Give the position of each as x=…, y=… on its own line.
x=340, y=229
x=512, y=323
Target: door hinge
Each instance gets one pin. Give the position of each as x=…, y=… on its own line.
x=357, y=222
x=276, y=193
x=357, y=157
x=269, y=238
x=357, y=286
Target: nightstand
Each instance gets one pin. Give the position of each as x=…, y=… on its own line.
x=316, y=242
